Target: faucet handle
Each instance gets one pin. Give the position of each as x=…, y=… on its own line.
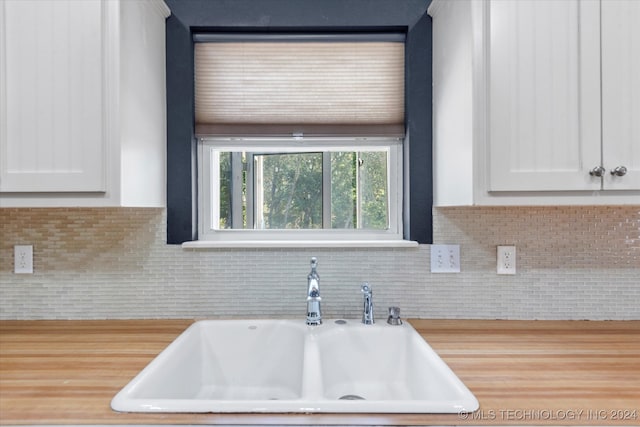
x=394, y=316
x=366, y=289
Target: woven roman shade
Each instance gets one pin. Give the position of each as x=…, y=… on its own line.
x=306, y=87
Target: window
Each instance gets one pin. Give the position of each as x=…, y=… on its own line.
x=300, y=136
x=187, y=19
x=305, y=188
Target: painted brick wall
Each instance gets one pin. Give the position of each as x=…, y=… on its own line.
x=573, y=263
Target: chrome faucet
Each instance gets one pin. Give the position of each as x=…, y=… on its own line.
x=367, y=312
x=314, y=313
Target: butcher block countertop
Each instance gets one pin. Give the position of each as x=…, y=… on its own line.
x=522, y=372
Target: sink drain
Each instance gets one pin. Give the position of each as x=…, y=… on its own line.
x=351, y=397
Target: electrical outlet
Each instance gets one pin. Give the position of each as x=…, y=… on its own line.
x=445, y=258
x=23, y=259
x=506, y=260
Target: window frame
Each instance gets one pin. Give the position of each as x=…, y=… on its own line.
x=208, y=194
x=189, y=17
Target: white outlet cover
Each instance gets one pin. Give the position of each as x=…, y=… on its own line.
x=506, y=260
x=445, y=258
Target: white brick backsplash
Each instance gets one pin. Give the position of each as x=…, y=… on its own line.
x=573, y=263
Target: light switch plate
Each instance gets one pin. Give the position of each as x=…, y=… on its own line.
x=445, y=258
x=23, y=259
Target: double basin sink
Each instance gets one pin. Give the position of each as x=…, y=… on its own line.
x=286, y=366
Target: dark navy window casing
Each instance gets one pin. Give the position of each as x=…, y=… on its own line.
x=189, y=17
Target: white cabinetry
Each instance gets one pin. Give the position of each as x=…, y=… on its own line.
x=621, y=92
x=82, y=103
x=520, y=114
x=52, y=101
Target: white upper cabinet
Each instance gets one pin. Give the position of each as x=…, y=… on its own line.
x=52, y=133
x=82, y=103
x=621, y=93
x=522, y=111
x=544, y=95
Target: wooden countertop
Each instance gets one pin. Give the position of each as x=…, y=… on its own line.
x=522, y=372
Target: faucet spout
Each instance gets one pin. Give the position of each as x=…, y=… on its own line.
x=367, y=311
x=314, y=311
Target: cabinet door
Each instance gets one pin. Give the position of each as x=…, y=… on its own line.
x=544, y=95
x=51, y=133
x=621, y=92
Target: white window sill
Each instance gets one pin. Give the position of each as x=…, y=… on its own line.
x=209, y=244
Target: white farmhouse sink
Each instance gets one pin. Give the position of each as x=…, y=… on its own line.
x=287, y=366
